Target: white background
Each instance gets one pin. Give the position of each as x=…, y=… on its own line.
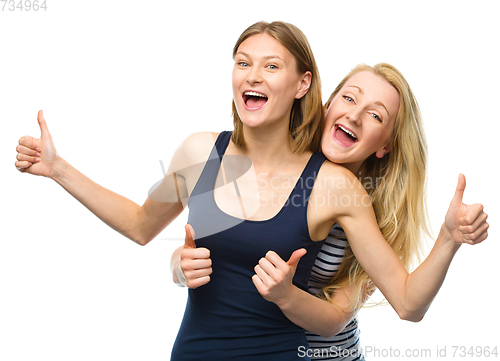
x=121, y=84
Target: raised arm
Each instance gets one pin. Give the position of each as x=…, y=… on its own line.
x=411, y=294
x=138, y=223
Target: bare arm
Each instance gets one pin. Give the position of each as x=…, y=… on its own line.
x=273, y=280
x=327, y=320
x=139, y=223
x=411, y=294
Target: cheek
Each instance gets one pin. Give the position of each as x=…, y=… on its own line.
x=376, y=139
x=237, y=77
x=234, y=81
x=284, y=85
x=331, y=117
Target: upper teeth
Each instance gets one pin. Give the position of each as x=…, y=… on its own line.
x=348, y=132
x=255, y=94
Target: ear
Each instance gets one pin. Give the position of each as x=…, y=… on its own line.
x=383, y=151
x=304, y=85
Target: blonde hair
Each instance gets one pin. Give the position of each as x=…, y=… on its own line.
x=398, y=197
x=306, y=118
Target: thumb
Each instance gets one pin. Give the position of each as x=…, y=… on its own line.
x=295, y=257
x=189, y=239
x=459, y=192
x=43, y=125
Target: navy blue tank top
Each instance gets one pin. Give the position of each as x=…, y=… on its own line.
x=227, y=319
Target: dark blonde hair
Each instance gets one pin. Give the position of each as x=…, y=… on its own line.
x=399, y=197
x=306, y=118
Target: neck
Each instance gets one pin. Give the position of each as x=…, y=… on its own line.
x=353, y=167
x=269, y=145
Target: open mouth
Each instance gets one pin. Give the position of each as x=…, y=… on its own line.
x=344, y=136
x=254, y=100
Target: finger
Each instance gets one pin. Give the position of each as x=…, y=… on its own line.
x=198, y=282
x=270, y=269
x=30, y=142
x=22, y=166
x=295, y=257
x=24, y=157
x=259, y=285
x=195, y=254
x=23, y=170
x=189, y=239
x=459, y=191
x=194, y=274
x=473, y=212
x=264, y=276
x=276, y=260
x=473, y=238
x=27, y=151
x=43, y=124
x=195, y=264
x=470, y=228
x=481, y=238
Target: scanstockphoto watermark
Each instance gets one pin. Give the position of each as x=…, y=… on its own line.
x=433, y=353
x=23, y=5
x=373, y=352
x=330, y=352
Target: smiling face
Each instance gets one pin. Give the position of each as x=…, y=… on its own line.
x=266, y=82
x=360, y=120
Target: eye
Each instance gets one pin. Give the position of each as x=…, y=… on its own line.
x=272, y=66
x=243, y=63
x=348, y=98
x=376, y=117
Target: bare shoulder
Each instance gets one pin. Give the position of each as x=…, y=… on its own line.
x=336, y=193
x=195, y=149
x=334, y=177
x=197, y=146
x=185, y=168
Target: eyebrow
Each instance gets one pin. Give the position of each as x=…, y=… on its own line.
x=266, y=57
x=378, y=102
x=382, y=104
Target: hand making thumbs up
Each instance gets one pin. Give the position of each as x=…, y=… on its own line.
x=273, y=278
x=195, y=263
x=466, y=223
x=37, y=156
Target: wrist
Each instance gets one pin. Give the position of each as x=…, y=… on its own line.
x=287, y=302
x=59, y=166
x=178, y=275
x=446, y=239
x=181, y=280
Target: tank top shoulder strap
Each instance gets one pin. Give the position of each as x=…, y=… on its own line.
x=309, y=174
x=207, y=178
x=222, y=142
x=298, y=201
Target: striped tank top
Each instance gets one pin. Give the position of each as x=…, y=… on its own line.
x=344, y=346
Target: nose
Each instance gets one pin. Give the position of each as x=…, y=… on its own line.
x=354, y=115
x=254, y=76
